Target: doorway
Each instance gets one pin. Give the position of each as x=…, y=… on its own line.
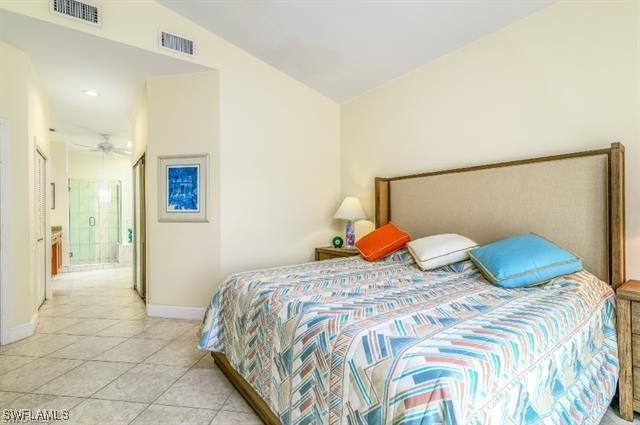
x=40, y=194
x=92, y=117
x=139, y=228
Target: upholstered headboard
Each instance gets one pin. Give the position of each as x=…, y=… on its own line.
x=575, y=200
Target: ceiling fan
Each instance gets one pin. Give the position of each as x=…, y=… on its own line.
x=107, y=148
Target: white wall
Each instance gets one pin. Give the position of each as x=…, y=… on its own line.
x=24, y=107
x=60, y=176
x=101, y=167
x=561, y=80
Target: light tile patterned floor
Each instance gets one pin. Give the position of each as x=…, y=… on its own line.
x=96, y=354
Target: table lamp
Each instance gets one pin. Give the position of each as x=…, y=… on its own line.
x=350, y=210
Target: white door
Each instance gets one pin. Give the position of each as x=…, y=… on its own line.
x=40, y=181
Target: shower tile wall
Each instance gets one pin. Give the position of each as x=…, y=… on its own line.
x=94, y=221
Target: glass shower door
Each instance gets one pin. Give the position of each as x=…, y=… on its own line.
x=94, y=221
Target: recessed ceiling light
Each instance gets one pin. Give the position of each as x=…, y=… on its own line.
x=129, y=143
x=91, y=93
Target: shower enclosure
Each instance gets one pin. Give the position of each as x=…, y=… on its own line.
x=94, y=221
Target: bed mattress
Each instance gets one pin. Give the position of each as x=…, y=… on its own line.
x=351, y=342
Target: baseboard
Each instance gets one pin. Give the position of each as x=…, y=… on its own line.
x=175, y=312
x=21, y=331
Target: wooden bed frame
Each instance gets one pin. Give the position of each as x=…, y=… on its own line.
x=383, y=214
x=255, y=401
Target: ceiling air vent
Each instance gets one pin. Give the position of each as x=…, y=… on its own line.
x=82, y=11
x=177, y=43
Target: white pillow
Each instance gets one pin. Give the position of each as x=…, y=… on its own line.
x=439, y=250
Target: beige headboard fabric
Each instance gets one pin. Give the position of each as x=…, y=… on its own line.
x=567, y=199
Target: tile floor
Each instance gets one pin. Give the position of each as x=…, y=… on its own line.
x=96, y=354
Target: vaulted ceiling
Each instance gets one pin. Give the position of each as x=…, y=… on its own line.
x=69, y=62
x=344, y=48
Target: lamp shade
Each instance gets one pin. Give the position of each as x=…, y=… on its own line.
x=350, y=209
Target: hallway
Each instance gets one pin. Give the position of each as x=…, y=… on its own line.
x=98, y=356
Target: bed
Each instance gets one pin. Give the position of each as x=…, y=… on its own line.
x=350, y=342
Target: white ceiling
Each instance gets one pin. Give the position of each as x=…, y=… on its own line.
x=344, y=48
x=68, y=62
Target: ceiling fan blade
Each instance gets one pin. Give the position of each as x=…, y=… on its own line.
x=84, y=146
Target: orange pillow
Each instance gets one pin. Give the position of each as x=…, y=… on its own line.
x=382, y=241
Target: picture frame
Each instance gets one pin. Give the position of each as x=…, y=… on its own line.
x=52, y=187
x=183, y=190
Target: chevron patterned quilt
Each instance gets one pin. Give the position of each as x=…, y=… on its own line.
x=351, y=342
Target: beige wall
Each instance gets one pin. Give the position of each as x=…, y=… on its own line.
x=279, y=142
x=60, y=176
x=265, y=193
x=564, y=79
x=24, y=107
x=182, y=258
x=139, y=136
x=100, y=167
x=280, y=174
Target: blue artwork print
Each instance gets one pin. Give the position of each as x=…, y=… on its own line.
x=182, y=188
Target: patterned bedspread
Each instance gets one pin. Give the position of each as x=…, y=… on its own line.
x=351, y=342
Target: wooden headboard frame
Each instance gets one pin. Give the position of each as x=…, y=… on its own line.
x=615, y=201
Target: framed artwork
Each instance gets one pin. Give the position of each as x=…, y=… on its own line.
x=183, y=189
x=52, y=195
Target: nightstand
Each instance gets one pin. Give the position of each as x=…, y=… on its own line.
x=628, y=308
x=329, y=252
